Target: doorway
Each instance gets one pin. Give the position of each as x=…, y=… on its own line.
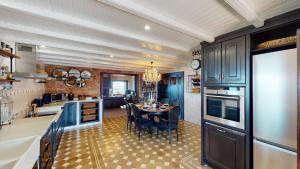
x=114, y=88
x=171, y=90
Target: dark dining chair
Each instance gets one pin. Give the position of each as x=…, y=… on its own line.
x=137, y=99
x=164, y=101
x=170, y=124
x=130, y=117
x=141, y=123
x=175, y=103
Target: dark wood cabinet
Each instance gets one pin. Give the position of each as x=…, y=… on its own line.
x=212, y=63
x=224, y=148
x=233, y=60
x=224, y=63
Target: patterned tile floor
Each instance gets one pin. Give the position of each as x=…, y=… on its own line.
x=113, y=112
x=113, y=147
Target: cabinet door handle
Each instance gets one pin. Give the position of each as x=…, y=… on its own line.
x=222, y=131
x=222, y=76
x=219, y=76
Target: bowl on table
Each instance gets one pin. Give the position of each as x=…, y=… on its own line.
x=163, y=107
x=146, y=107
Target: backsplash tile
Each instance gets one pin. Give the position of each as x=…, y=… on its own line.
x=23, y=94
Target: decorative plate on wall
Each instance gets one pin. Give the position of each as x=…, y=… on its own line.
x=74, y=72
x=60, y=74
x=86, y=75
x=70, y=81
x=80, y=82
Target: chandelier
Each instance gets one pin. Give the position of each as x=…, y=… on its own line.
x=151, y=75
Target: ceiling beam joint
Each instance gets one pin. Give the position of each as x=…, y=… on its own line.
x=243, y=9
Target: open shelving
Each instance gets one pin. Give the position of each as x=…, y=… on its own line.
x=275, y=48
x=12, y=56
x=274, y=33
x=89, y=112
x=8, y=54
x=9, y=80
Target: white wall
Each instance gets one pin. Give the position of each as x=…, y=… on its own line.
x=192, y=101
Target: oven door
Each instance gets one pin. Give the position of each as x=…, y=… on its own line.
x=228, y=110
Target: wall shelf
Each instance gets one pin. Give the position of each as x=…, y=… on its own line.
x=8, y=81
x=12, y=56
x=8, y=54
x=273, y=49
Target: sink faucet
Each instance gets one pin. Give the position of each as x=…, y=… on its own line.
x=31, y=112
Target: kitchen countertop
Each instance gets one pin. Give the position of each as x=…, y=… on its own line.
x=20, y=141
x=52, y=108
x=36, y=126
x=61, y=103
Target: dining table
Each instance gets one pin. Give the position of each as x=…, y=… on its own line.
x=155, y=111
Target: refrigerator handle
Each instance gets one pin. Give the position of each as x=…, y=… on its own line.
x=222, y=131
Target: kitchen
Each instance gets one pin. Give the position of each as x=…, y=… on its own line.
x=250, y=97
x=108, y=84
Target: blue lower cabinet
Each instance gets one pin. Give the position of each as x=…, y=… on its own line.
x=57, y=133
x=46, y=149
x=69, y=113
x=49, y=143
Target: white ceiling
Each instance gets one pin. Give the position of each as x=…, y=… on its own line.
x=86, y=32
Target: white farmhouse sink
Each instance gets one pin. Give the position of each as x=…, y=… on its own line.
x=19, y=153
x=47, y=110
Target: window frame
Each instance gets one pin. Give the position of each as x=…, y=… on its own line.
x=126, y=88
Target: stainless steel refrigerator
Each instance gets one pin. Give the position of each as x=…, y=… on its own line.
x=275, y=110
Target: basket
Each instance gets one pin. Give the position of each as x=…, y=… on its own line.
x=277, y=42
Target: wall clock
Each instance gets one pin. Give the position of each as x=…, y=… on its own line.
x=196, y=64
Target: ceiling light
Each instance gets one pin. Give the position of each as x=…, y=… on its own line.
x=151, y=75
x=147, y=27
x=42, y=46
x=111, y=56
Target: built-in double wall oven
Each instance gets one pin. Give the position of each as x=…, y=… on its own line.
x=225, y=105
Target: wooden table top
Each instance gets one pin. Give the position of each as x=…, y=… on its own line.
x=153, y=110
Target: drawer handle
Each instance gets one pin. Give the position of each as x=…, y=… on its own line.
x=222, y=131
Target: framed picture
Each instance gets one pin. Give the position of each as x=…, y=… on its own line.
x=193, y=84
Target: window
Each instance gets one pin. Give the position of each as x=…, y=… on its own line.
x=119, y=87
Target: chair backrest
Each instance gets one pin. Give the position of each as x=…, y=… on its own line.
x=165, y=100
x=126, y=101
x=128, y=109
x=174, y=115
x=137, y=99
x=136, y=112
x=175, y=103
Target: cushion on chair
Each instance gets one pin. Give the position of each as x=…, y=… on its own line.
x=142, y=122
x=165, y=126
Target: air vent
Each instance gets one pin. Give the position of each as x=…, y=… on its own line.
x=27, y=63
x=24, y=48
